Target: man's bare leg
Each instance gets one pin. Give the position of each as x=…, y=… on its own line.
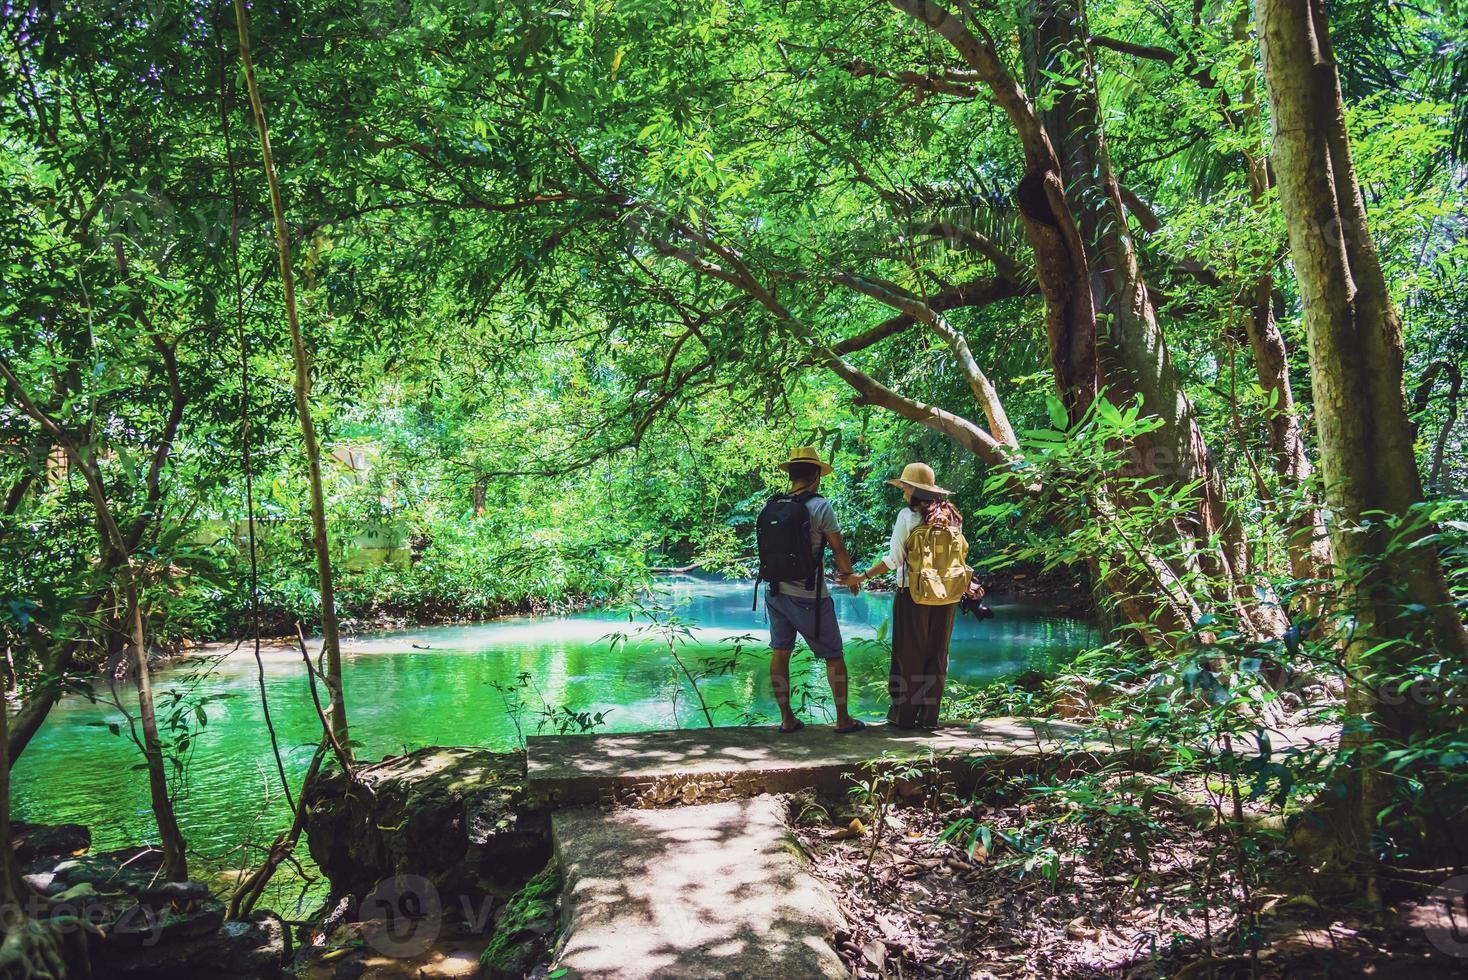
x=836, y=677
x=780, y=685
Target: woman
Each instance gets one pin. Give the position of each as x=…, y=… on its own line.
x=920, y=634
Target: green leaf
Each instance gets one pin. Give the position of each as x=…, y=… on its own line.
x=1059, y=417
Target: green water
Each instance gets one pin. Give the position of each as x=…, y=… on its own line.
x=401, y=697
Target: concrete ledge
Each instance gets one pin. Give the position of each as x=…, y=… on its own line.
x=703, y=764
x=692, y=893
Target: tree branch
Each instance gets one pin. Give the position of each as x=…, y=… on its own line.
x=979, y=53
x=911, y=305
x=734, y=271
x=946, y=83
x=1148, y=51
x=1004, y=264
x=974, y=293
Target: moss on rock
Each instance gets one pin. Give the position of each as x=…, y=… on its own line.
x=455, y=816
x=523, y=928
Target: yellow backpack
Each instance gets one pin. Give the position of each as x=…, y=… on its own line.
x=936, y=572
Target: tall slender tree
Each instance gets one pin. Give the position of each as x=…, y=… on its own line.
x=118, y=557
x=1392, y=580
x=330, y=634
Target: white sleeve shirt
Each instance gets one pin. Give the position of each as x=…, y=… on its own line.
x=907, y=519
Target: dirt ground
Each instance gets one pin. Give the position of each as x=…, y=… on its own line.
x=1081, y=899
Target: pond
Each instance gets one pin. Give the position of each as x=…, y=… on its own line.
x=438, y=686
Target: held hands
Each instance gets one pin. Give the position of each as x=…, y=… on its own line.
x=853, y=580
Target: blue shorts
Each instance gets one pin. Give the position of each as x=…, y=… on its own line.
x=790, y=615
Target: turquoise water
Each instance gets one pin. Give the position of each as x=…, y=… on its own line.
x=435, y=686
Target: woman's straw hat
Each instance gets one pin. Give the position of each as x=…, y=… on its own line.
x=805, y=454
x=919, y=476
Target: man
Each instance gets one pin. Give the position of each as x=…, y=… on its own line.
x=802, y=605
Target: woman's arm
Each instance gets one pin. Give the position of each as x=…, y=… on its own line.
x=888, y=563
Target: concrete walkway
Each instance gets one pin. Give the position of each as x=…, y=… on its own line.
x=701, y=764
x=715, y=891
x=719, y=889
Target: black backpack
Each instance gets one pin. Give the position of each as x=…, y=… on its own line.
x=782, y=533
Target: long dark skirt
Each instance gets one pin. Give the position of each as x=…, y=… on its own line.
x=920, y=637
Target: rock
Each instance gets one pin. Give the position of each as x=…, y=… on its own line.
x=150, y=929
x=1031, y=680
x=523, y=927
x=253, y=950
x=131, y=870
x=164, y=926
x=42, y=881
x=457, y=817
x=176, y=891
x=36, y=842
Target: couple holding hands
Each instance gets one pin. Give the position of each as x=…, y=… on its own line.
x=926, y=552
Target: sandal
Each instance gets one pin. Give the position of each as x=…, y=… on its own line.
x=857, y=725
x=790, y=731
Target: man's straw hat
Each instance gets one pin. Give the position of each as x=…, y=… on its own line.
x=805, y=454
x=919, y=476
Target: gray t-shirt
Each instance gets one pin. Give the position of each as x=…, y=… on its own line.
x=822, y=522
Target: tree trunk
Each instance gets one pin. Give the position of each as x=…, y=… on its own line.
x=1134, y=356
x=23, y=941
x=1425, y=387
x=175, y=856
x=116, y=557
x=32, y=713
x=330, y=640
x=30, y=949
x=1061, y=266
x=1366, y=439
x=11, y=885
x=1308, y=545
x=480, y=491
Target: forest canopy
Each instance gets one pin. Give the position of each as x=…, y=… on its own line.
x=431, y=310
x=495, y=212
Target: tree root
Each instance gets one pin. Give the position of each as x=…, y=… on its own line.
x=43, y=949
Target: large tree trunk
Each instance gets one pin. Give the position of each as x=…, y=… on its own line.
x=1134, y=354
x=330, y=639
x=1061, y=265
x=1086, y=266
x=1366, y=440
x=29, y=717
x=11, y=885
